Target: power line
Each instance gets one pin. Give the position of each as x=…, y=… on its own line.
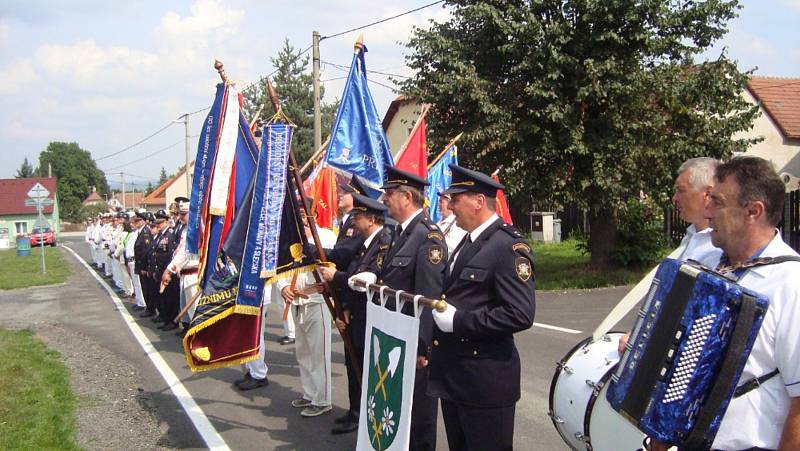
x=148, y=156
x=379, y=21
x=371, y=71
x=136, y=143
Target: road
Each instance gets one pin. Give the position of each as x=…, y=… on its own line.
x=263, y=419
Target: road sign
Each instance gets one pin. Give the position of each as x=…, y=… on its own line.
x=39, y=201
x=38, y=191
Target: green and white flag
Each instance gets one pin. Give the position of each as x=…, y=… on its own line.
x=387, y=391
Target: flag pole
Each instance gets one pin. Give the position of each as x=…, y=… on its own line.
x=334, y=306
x=441, y=154
x=316, y=155
x=425, y=108
x=436, y=304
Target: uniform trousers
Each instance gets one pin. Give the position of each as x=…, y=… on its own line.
x=93, y=248
x=127, y=283
x=313, y=350
x=478, y=428
x=137, y=285
x=106, y=263
x=423, y=415
x=188, y=289
x=289, y=329
x=147, y=293
x=170, y=300
x=258, y=368
x=115, y=276
x=357, y=331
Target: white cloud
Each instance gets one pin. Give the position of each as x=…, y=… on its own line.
x=84, y=62
x=208, y=18
x=5, y=32
x=790, y=3
x=17, y=76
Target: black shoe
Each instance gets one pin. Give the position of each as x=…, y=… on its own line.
x=168, y=326
x=146, y=314
x=345, y=428
x=157, y=319
x=253, y=384
x=137, y=308
x=286, y=341
x=246, y=378
x=348, y=417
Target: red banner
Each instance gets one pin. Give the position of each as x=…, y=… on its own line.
x=502, y=205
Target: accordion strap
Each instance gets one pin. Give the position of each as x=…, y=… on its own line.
x=754, y=383
x=697, y=438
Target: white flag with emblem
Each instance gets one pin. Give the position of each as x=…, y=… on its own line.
x=387, y=389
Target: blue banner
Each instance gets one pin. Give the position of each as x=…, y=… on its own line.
x=203, y=164
x=358, y=144
x=439, y=177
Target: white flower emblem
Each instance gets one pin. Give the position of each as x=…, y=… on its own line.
x=371, y=408
x=387, y=423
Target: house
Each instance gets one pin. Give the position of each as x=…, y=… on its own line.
x=779, y=123
x=17, y=218
x=165, y=193
x=93, y=199
x=399, y=120
x=131, y=201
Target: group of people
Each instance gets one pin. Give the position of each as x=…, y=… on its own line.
x=145, y=256
x=733, y=209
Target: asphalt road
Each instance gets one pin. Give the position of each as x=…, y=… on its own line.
x=263, y=418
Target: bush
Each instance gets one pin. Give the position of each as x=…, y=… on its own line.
x=640, y=238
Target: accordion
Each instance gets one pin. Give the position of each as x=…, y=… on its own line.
x=689, y=344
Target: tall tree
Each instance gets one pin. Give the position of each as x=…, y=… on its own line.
x=294, y=84
x=26, y=170
x=586, y=102
x=76, y=171
x=162, y=177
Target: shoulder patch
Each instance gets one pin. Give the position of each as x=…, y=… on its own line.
x=435, y=254
x=524, y=268
x=438, y=235
x=521, y=246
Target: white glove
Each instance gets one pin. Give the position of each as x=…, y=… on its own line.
x=445, y=319
x=367, y=277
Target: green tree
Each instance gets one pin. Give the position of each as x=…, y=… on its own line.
x=293, y=83
x=590, y=102
x=76, y=172
x=26, y=170
x=162, y=177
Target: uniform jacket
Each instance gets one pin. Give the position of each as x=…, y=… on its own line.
x=141, y=249
x=161, y=253
x=415, y=264
x=491, y=286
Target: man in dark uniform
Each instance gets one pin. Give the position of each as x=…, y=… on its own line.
x=160, y=256
x=141, y=251
x=415, y=264
x=475, y=367
x=368, y=220
x=348, y=241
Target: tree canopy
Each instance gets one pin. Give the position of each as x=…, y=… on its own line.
x=293, y=83
x=25, y=170
x=587, y=102
x=77, y=173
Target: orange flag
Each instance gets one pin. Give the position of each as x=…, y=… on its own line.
x=414, y=157
x=323, y=191
x=502, y=206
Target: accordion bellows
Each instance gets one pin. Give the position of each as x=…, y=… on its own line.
x=688, y=348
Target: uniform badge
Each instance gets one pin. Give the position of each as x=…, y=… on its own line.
x=349, y=232
x=435, y=254
x=523, y=267
x=380, y=261
x=522, y=246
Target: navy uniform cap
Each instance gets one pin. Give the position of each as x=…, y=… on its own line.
x=365, y=204
x=122, y=215
x=354, y=186
x=162, y=214
x=466, y=180
x=180, y=199
x=141, y=214
x=396, y=177
x=150, y=217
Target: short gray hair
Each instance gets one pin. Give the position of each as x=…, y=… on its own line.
x=701, y=171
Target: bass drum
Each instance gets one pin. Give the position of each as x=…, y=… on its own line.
x=578, y=405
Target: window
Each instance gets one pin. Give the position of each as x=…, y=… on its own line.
x=22, y=227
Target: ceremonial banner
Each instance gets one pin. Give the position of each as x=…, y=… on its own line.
x=501, y=207
x=226, y=153
x=326, y=202
x=387, y=391
x=439, y=177
x=413, y=157
x=358, y=144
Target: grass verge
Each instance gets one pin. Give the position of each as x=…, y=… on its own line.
x=562, y=265
x=36, y=403
x=23, y=272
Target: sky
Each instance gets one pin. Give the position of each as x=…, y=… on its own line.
x=108, y=74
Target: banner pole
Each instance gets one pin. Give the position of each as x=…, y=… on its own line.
x=441, y=154
x=436, y=304
x=333, y=305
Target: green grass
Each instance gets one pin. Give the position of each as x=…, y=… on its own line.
x=561, y=265
x=36, y=403
x=22, y=272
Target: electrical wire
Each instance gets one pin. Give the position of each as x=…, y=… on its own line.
x=147, y=156
x=371, y=71
x=136, y=143
x=379, y=21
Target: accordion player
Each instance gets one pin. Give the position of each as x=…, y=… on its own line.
x=689, y=345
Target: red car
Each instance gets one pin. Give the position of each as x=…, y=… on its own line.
x=43, y=234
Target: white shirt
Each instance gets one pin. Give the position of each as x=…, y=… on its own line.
x=699, y=247
x=369, y=239
x=328, y=240
x=131, y=242
x=756, y=419
x=405, y=223
x=453, y=234
x=473, y=236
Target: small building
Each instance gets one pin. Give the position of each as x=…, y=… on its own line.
x=19, y=219
x=399, y=120
x=779, y=123
x=93, y=199
x=165, y=193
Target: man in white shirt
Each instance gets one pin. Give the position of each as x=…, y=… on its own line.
x=692, y=188
x=746, y=205
x=453, y=234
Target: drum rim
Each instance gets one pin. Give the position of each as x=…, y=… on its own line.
x=559, y=368
x=592, y=400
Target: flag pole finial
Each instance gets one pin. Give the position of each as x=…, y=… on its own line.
x=220, y=69
x=359, y=43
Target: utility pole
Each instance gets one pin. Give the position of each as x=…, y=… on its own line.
x=185, y=119
x=122, y=179
x=315, y=76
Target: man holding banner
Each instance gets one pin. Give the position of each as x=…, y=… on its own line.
x=415, y=264
x=489, y=288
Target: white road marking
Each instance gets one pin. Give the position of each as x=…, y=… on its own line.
x=210, y=435
x=560, y=329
